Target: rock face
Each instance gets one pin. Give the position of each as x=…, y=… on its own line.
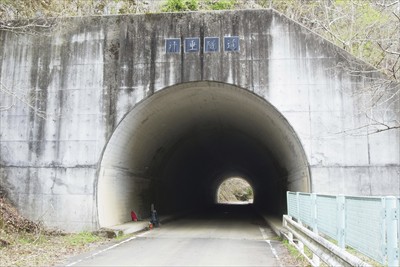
x=104, y=115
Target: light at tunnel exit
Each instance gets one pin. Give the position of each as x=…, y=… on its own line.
x=235, y=191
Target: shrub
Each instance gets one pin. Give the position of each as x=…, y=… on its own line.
x=180, y=5
x=222, y=4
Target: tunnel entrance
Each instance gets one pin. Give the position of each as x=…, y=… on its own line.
x=235, y=191
x=173, y=148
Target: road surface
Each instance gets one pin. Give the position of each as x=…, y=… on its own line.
x=225, y=236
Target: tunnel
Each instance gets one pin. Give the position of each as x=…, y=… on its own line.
x=175, y=148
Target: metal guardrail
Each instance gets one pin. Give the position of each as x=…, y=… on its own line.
x=321, y=248
x=369, y=225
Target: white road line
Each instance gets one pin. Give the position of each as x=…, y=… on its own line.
x=266, y=239
x=106, y=249
x=274, y=252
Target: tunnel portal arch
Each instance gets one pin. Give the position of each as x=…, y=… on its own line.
x=172, y=147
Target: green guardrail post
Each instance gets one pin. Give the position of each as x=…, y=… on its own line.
x=299, y=219
x=314, y=212
x=341, y=221
x=391, y=231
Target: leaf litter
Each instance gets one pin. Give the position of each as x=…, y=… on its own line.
x=27, y=243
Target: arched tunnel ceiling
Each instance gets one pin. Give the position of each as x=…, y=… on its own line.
x=201, y=109
x=194, y=134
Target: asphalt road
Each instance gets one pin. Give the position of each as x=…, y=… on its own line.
x=225, y=236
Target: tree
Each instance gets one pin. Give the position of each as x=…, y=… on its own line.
x=370, y=31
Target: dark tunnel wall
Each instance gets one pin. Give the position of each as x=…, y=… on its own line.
x=174, y=148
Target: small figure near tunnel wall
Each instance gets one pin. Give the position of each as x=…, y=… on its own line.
x=154, y=220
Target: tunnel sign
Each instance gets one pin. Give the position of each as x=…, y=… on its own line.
x=231, y=43
x=193, y=45
x=173, y=45
x=211, y=44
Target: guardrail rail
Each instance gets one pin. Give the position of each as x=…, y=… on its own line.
x=369, y=225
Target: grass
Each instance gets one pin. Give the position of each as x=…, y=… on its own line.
x=29, y=249
x=296, y=254
x=81, y=239
x=122, y=237
x=292, y=250
x=355, y=252
x=363, y=257
x=222, y=4
x=193, y=5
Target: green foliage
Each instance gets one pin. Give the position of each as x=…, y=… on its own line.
x=292, y=250
x=24, y=238
x=81, y=239
x=243, y=194
x=180, y=5
x=122, y=237
x=221, y=4
x=174, y=6
x=27, y=9
x=366, y=29
x=296, y=254
x=192, y=5
x=249, y=192
x=360, y=24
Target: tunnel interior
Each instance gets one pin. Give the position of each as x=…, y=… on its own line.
x=175, y=147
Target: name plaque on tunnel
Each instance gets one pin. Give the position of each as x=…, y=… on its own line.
x=192, y=45
x=231, y=43
x=211, y=44
x=172, y=45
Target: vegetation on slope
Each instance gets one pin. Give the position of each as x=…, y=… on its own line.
x=27, y=243
x=368, y=29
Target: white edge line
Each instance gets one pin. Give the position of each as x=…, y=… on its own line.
x=106, y=249
x=274, y=252
x=265, y=237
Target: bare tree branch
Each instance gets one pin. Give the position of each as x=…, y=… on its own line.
x=22, y=99
x=388, y=51
x=32, y=27
x=397, y=16
x=388, y=5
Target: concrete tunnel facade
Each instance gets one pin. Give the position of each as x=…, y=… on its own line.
x=176, y=147
x=98, y=118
